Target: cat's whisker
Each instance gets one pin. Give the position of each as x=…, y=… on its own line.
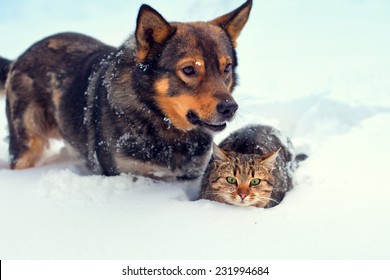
x=210, y=192
x=264, y=198
x=240, y=120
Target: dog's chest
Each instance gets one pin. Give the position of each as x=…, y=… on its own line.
x=190, y=168
x=155, y=157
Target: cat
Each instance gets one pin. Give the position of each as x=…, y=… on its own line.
x=251, y=167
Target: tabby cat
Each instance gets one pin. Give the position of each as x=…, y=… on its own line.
x=252, y=167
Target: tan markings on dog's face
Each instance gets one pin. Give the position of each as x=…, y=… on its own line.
x=226, y=68
x=162, y=86
x=176, y=108
x=191, y=70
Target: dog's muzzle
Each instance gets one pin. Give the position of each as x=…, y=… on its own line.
x=226, y=110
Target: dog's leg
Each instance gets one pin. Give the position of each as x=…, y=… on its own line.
x=30, y=116
x=28, y=135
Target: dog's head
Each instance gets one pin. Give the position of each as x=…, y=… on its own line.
x=194, y=64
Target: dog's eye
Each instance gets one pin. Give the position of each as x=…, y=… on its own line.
x=228, y=68
x=189, y=71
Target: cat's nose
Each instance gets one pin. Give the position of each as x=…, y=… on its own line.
x=243, y=195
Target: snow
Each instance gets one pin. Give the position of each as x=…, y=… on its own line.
x=317, y=70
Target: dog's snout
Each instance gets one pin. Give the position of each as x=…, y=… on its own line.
x=227, y=108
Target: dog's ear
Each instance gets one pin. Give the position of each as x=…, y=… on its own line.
x=151, y=33
x=235, y=21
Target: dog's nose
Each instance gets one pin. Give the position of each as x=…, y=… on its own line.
x=227, y=108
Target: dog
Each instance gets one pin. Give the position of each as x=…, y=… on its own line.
x=149, y=107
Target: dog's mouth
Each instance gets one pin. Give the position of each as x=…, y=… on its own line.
x=194, y=119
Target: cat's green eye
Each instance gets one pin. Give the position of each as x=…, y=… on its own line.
x=255, y=182
x=231, y=180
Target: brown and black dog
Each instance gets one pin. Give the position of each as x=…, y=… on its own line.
x=149, y=107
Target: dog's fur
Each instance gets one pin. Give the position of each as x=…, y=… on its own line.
x=149, y=107
x=4, y=67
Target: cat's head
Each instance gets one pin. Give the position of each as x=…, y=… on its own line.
x=242, y=179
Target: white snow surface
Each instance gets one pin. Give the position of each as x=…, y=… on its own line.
x=317, y=70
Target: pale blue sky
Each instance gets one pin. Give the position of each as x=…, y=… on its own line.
x=22, y=22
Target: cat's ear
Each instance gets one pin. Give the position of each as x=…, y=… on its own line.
x=234, y=22
x=269, y=160
x=219, y=154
